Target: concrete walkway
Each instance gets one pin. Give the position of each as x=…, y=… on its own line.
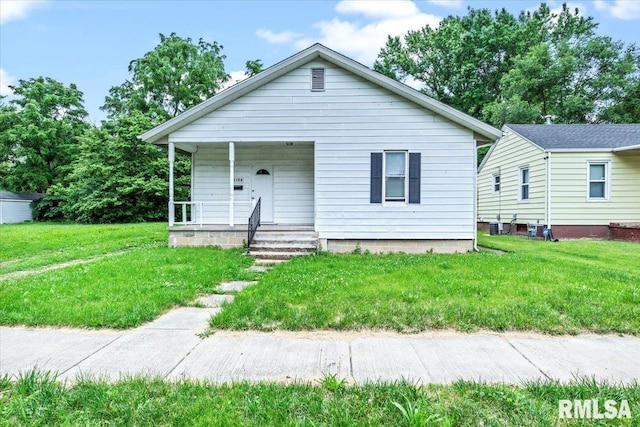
x=173, y=347
x=170, y=348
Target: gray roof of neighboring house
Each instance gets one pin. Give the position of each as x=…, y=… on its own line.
x=8, y=195
x=580, y=136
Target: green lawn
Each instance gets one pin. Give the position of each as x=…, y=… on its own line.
x=32, y=245
x=38, y=400
x=563, y=287
x=121, y=291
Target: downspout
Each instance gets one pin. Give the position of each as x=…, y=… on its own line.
x=475, y=199
x=232, y=159
x=548, y=213
x=172, y=157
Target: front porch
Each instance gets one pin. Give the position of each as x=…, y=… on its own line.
x=228, y=180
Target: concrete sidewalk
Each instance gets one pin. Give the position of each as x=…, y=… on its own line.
x=170, y=348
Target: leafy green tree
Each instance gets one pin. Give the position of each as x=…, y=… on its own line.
x=574, y=76
x=120, y=178
x=500, y=68
x=171, y=78
x=253, y=67
x=461, y=62
x=39, y=132
x=117, y=177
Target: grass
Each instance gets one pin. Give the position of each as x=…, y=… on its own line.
x=37, y=399
x=560, y=288
x=32, y=245
x=121, y=291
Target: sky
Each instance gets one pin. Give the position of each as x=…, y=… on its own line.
x=90, y=43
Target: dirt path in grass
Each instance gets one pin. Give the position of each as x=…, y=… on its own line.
x=25, y=273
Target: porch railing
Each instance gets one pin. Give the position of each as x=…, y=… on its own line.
x=254, y=223
x=192, y=213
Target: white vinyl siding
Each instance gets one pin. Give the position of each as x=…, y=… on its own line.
x=346, y=123
x=506, y=159
x=569, y=190
x=12, y=211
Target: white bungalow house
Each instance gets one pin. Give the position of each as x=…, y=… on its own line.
x=328, y=145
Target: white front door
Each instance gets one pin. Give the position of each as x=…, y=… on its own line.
x=262, y=187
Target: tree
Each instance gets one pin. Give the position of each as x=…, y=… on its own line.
x=253, y=67
x=461, y=62
x=502, y=69
x=39, y=132
x=573, y=76
x=118, y=177
x=171, y=78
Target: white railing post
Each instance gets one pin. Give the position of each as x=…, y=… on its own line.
x=172, y=154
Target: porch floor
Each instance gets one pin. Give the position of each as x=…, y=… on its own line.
x=242, y=227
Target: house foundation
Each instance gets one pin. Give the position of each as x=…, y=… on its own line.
x=409, y=246
x=223, y=236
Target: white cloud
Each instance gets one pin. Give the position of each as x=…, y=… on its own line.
x=16, y=9
x=5, y=81
x=413, y=83
x=283, y=37
x=234, y=77
x=363, y=41
x=627, y=10
x=379, y=9
x=455, y=4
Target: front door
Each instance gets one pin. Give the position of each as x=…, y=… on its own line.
x=262, y=187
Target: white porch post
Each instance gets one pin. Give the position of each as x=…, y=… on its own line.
x=232, y=158
x=172, y=156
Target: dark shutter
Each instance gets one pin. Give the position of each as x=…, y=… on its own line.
x=414, y=178
x=376, y=178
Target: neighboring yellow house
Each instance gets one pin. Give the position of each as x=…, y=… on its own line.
x=579, y=180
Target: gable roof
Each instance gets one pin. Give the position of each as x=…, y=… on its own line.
x=318, y=51
x=612, y=137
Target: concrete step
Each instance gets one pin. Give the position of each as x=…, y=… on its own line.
x=269, y=262
x=280, y=236
x=273, y=255
x=284, y=246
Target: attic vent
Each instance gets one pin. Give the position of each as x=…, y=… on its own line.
x=317, y=79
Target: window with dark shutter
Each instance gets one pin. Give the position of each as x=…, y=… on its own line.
x=395, y=176
x=376, y=178
x=317, y=79
x=414, y=178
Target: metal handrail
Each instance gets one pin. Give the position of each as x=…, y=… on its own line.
x=254, y=223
